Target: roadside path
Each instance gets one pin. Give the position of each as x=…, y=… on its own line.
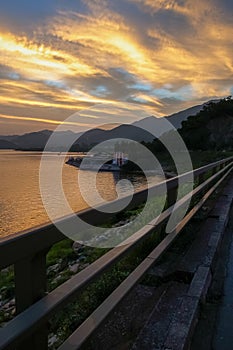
x=223, y=336
x=214, y=330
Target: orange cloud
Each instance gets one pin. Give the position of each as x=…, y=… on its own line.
x=157, y=60
x=39, y=61
x=43, y=120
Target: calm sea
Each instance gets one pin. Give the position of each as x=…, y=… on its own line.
x=21, y=205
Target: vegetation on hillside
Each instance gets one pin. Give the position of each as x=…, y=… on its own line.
x=208, y=136
x=211, y=128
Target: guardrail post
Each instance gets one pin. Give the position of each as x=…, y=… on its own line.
x=172, y=196
x=222, y=166
x=214, y=170
x=30, y=286
x=200, y=178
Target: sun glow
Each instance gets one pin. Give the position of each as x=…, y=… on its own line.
x=40, y=57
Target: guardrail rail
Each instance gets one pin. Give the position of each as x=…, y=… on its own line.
x=27, y=252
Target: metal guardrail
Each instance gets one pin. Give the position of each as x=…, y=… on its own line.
x=27, y=252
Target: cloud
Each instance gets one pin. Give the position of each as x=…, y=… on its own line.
x=43, y=120
x=199, y=53
x=162, y=55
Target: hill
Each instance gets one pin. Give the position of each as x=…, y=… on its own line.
x=5, y=144
x=142, y=130
x=34, y=140
x=211, y=128
x=177, y=118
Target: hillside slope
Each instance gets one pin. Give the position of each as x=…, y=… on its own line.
x=211, y=128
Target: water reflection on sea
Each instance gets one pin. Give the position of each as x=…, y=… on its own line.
x=21, y=205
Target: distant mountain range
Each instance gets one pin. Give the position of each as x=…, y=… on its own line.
x=143, y=130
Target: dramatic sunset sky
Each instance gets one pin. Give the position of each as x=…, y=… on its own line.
x=59, y=57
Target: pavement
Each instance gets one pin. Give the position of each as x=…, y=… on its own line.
x=215, y=327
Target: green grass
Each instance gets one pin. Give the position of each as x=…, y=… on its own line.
x=61, y=250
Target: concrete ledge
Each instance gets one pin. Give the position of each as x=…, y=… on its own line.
x=211, y=256
x=183, y=325
x=179, y=321
x=200, y=283
x=215, y=239
x=222, y=208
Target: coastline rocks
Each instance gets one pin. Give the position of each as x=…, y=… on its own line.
x=77, y=247
x=81, y=258
x=74, y=268
x=9, y=305
x=8, y=309
x=53, y=268
x=52, y=339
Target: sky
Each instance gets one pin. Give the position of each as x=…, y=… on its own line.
x=97, y=58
